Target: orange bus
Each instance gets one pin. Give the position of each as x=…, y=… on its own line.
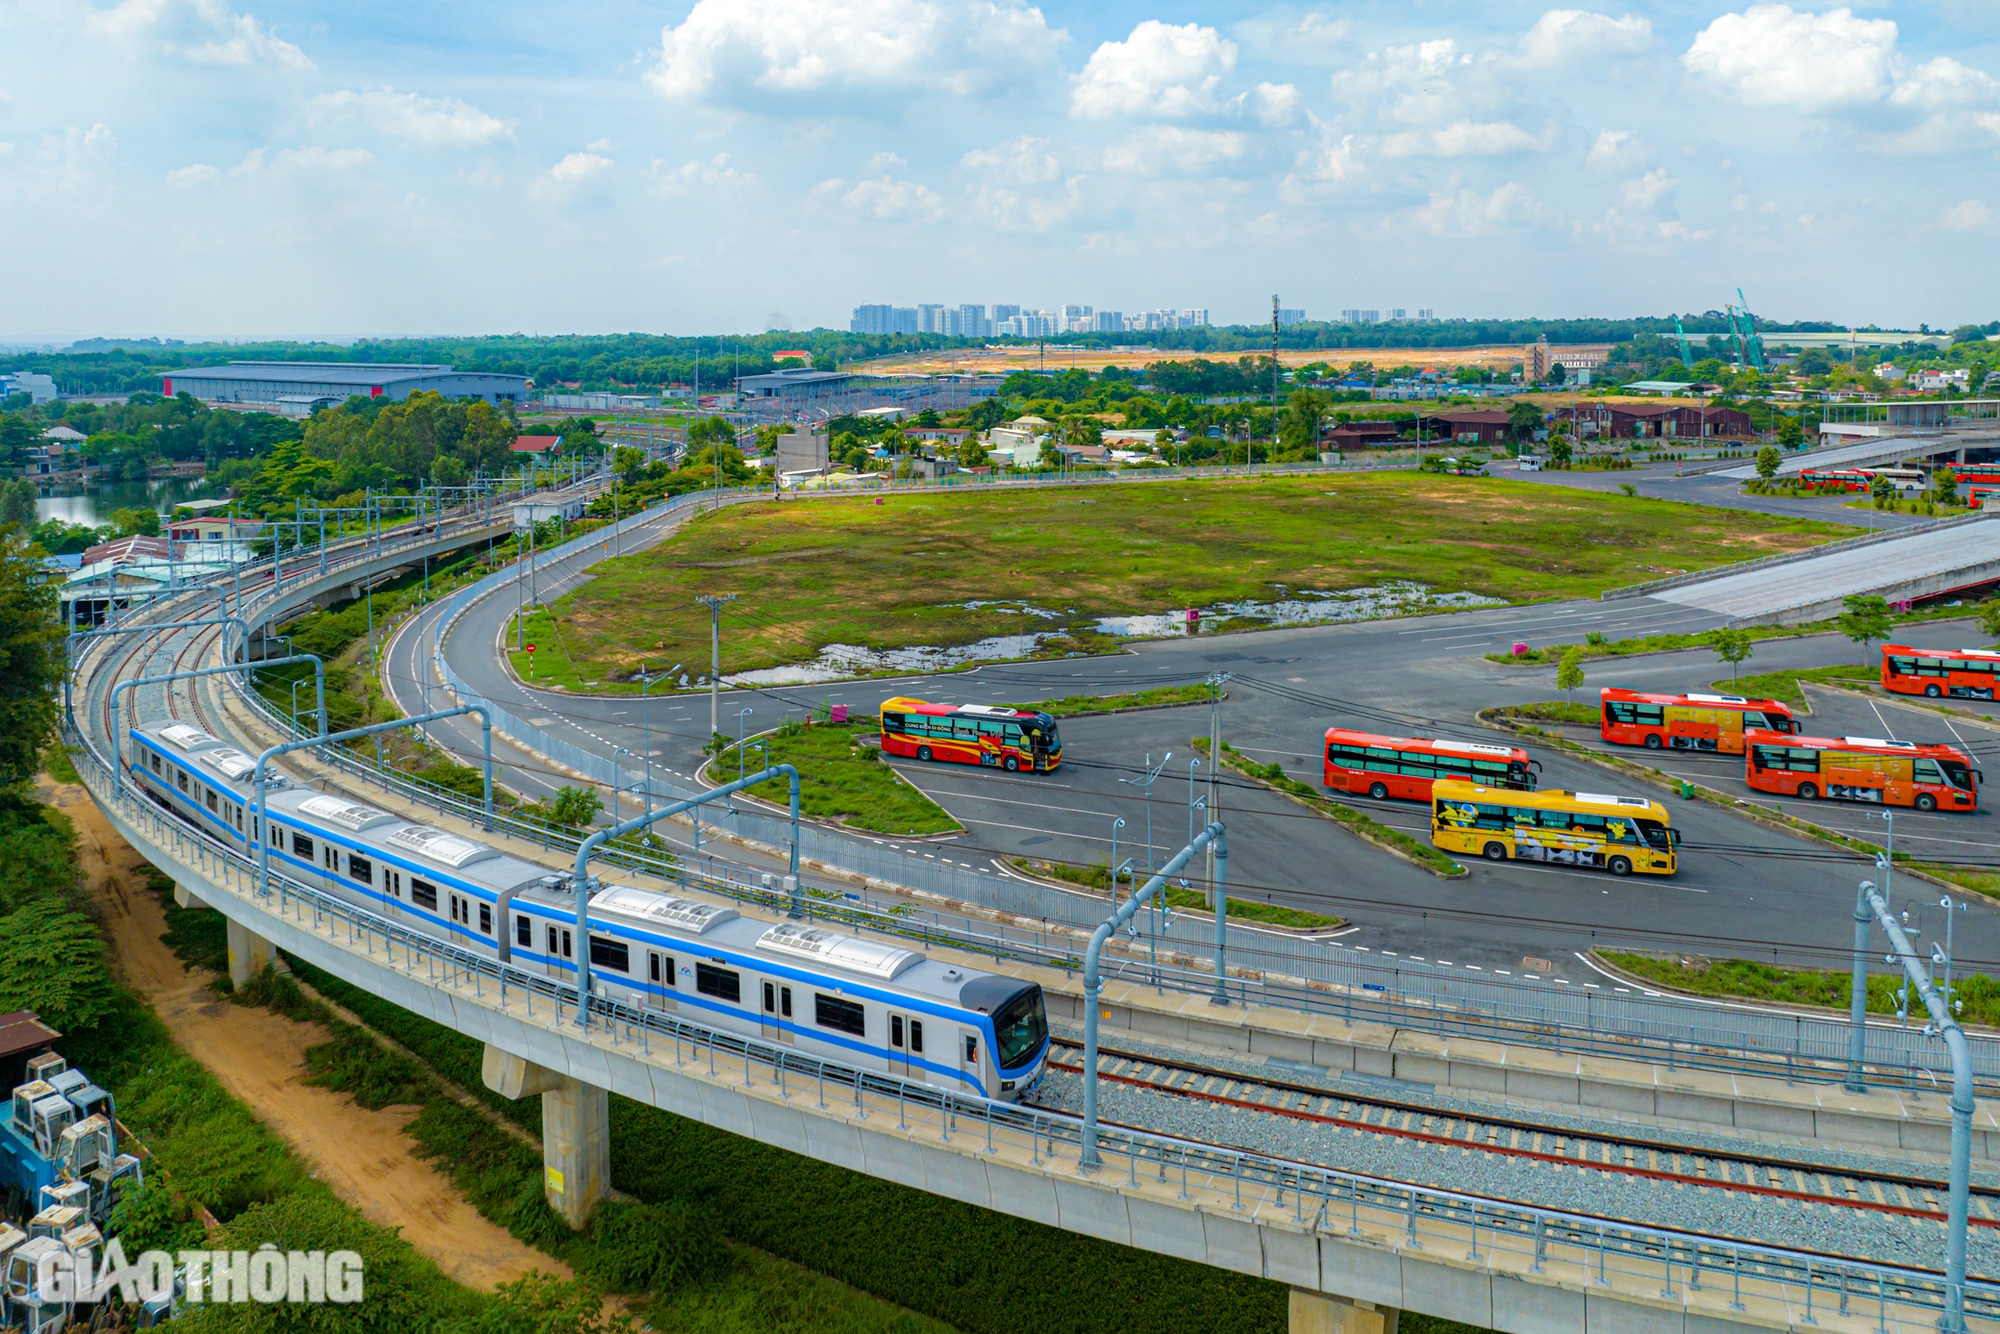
x=1928, y=776
x=1017, y=740
x=1406, y=766
x=1962, y=673
x=1688, y=722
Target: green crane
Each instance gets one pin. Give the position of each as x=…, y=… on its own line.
x=1753, y=346
x=1687, y=357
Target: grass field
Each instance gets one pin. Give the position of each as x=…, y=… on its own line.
x=840, y=779
x=950, y=570
x=1784, y=686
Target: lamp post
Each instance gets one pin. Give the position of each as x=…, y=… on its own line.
x=1116, y=825
x=1152, y=771
x=1193, y=764
x=741, y=714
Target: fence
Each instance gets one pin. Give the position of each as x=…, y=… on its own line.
x=1579, y=1250
x=1265, y=967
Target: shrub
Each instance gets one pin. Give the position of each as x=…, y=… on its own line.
x=655, y=1248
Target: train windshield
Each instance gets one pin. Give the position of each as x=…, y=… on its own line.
x=1019, y=1029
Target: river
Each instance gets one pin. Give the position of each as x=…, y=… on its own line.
x=93, y=505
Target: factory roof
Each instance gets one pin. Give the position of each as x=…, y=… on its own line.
x=323, y=372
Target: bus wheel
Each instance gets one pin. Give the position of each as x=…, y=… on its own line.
x=1619, y=866
x=1807, y=792
x=924, y=753
x=1932, y=691
x=1926, y=802
x=1495, y=852
x=1652, y=741
x=1013, y=765
x=1379, y=791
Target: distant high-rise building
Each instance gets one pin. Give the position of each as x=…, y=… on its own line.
x=972, y=322
x=1360, y=317
x=1110, y=321
x=1535, y=360
x=1425, y=315
x=930, y=317
x=1194, y=319
x=1001, y=312
x=1398, y=315
x=1291, y=316
x=883, y=320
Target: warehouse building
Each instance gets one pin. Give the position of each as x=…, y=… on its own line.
x=291, y=383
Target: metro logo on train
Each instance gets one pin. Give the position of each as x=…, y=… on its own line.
x=863, y=1002
x=1688, y=722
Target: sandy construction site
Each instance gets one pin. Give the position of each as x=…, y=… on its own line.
x=1058, y=357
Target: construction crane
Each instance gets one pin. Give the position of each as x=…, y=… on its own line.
x=1687, y=358
x=1753, y=346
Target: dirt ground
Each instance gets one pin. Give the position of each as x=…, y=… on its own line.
x=260, y=1058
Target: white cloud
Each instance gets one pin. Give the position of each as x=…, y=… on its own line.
x=1172, y=148
x=1968, y=216
x=1024, y=160
x=883, y=200
x=230, y=38
x=1405, y=67
x=199, y=173
x=314, y=160
x=1564, y=35
x=1647, y=191
x=742, y=51
x=433, y=122
x=1159, y=70
x=1331, y=161
x=1276, y=103
x=1773, y=55
x=1616, y=150
x=1465, y=212
x=572, y=174
x=681, y=179
x=1464, y=139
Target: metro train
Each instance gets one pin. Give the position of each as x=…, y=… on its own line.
x=860, y=1002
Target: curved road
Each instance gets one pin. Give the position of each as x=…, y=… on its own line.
x=1743, y=891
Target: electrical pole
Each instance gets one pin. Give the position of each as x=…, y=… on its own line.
x=1215, y=683
x=714, y=605
x=1274, y=379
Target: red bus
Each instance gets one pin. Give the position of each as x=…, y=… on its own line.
x=1017, y=740
x=1406, y=766
x=1979, y=492
x=1928, y=776
x=1688, y=722
x=1842, y=479
x=1962, y=673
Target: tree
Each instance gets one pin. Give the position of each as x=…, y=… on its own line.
x=1558, y=373
x=1569, y=671
x=1733, y=646
x=1989, y=618
x=1791, y=432
x=1560, y=450
x=1523, y=419
x=571, y=808
x=1768, y=459
x=139, y=521
x=31, y=667
x=52, y=962
x=1944, y=486
x=1306, y=412
x=17, y=505
x=629, y=463
x=971, y=453
x=1865, y=619
x=1882, y=490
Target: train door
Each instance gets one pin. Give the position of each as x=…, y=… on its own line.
x=968, y=1060
x=561, y=951
x=906, y=1045
x=777, y=1011
x=461, y=916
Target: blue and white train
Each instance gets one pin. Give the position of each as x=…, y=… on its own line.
x=857, y=1001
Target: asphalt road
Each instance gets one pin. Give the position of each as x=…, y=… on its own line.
x=1659, y=482
x=1743, y=889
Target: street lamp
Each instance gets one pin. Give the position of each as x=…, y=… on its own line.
x=1193, y=764
x=1116, y=825
x=646, y=710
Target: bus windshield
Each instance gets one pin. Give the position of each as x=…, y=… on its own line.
x=1043, y=738
x=1019, y=1029
x=1959, y=775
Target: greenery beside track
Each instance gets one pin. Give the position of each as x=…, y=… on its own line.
x=1097, y=876
x=982, y=1272
x=841, y=777
x=1748, y=979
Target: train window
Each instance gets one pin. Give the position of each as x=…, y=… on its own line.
x=661, y=968
x=156, y=762
x=360, y=868
x=916, y=1035
x=395, y=879
x=971, y=1049
x=210, y=796
x=770, y=998
x=607, y=953
x=896, y=1030
x=181, y=779
x=722, y=982
x=844, y=1015
x=566, y=944
x=785, y=1001
x=302, y=846
x=424, y=894
x=331, y=855
x=524, y=932
x=485, y=919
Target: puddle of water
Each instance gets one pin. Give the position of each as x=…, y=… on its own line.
x=1397, y=597
x=837, y=662
x=1014, y=608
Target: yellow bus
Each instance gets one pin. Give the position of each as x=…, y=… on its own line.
x=1618, y=834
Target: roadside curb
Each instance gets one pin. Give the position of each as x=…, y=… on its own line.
x=1362, y=832
x=1341, y=925
x=1784, y=824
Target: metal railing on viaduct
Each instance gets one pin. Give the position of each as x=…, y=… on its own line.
x=1360, y=1238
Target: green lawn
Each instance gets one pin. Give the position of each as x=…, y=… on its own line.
x=1098, y=876
x=1832, y=988
x=1785, y=685
x=1553, y=711
x=950, y=570
x=841, y=779
x=1073, y=705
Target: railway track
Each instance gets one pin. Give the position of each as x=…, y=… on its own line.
x=1771, y=1176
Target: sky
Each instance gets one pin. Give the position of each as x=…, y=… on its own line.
x=254, y=168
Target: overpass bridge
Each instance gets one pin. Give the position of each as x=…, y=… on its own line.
x=1355, y=1246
